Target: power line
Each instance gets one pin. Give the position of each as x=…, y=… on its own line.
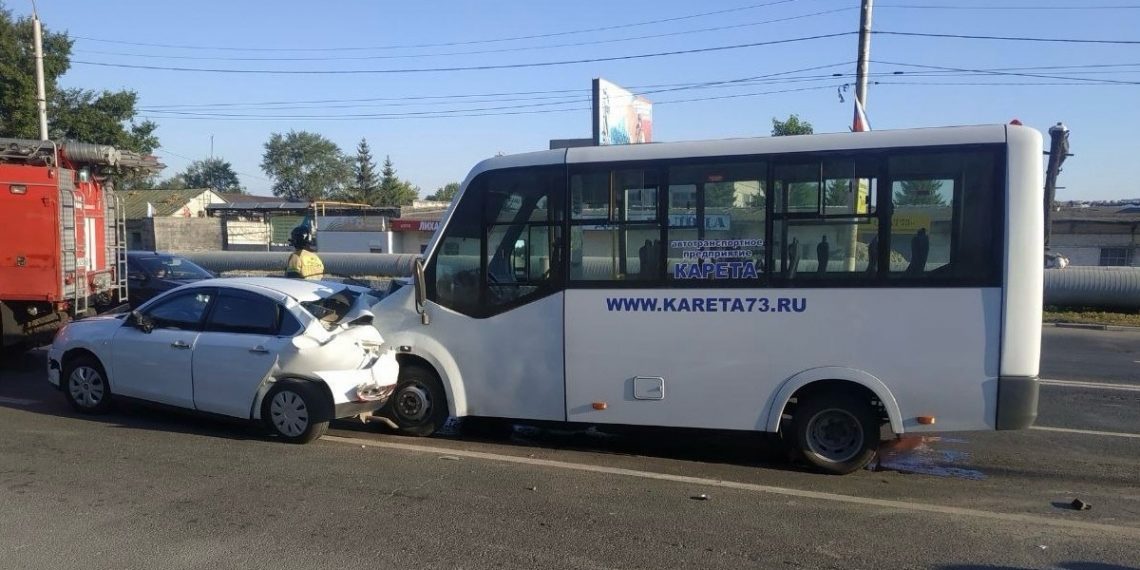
x=460, y=43
x=476, y=52
x=488, y=112
x=1008, y=38
x=995, y=83
x=493, y=97
x=468, y=68
x=187, y=158
x=571, y=100
x=1007, y=7
x=1010, y=73
x=400, y=116
x=553, y=94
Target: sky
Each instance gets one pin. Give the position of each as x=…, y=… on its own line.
x=435, y=123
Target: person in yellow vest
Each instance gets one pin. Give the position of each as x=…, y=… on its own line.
x=304, y=263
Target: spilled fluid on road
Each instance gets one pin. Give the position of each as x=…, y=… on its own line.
x=926, y=455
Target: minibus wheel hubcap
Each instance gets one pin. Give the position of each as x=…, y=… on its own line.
x=835, y=435
x=413, y=403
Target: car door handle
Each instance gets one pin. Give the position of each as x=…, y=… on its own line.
x=259, y=350
x=180, y=344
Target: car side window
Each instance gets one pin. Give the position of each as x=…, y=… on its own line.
x=184, y=311
x=244, y=313
x=290, y=326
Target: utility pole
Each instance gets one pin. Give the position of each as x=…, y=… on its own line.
x=1058, y=152
x=211, y=146
x=41, y=96
x=864, y=59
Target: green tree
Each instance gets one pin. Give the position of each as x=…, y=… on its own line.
x=800, y=195
x=305, y=166
x=393, y=191
x=839, y=192
x=365, y=187
x=213, y=173
x=445, y=193
x=791, y=126
x=106, y=117
x=18, y=115
x=919, y=193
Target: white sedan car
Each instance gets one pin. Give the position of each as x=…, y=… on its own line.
x=290, y=353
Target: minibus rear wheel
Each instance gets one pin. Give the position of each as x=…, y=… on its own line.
x=836, y=433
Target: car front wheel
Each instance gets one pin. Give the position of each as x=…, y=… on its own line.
x=85, y=385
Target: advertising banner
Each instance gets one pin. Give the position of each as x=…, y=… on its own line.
x=620, y=117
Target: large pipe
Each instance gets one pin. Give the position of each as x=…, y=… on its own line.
x=1103, y=287
x=1100, y=287
x=336, y=264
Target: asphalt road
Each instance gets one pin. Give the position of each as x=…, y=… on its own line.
x=147, y=489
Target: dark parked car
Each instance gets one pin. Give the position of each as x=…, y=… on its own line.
x=150, y=273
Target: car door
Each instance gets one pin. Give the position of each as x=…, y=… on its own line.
x=138, y=289
x=238, y=348
x=155, y=365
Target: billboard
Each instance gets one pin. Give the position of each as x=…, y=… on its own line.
x=620, y=117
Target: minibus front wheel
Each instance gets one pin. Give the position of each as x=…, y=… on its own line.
x=419, y=404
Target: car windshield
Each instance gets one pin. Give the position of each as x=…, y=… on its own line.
x=332, y=309
x=171, y=267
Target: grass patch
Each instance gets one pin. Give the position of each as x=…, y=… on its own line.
x=1088, y=316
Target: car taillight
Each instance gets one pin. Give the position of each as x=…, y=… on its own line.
x=372, y=392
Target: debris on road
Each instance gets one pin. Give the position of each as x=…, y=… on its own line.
x=1079, y=505
x=449, y=458
x=701, y=497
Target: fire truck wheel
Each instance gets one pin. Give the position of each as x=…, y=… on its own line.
x=85, y=385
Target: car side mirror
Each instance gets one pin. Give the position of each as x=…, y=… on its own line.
x=140, y=321
x=421, y=291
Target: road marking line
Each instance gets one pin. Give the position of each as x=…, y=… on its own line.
x=17, y=401
x=1090, y=385
x=769, y=489
x=1087, y=432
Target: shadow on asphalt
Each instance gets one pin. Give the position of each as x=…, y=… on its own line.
x=734, y=448
x=23, y=387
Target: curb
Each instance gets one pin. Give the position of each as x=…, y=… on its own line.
x=1118, y=328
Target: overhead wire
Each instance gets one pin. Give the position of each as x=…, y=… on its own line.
x=456, y=43
x=187, y=158
x=477, y=52
x=1006, y=38
x=492, y=98
x=1008, y=7
x=1007, y=73
x=563, y=94
x=477, y=113
x=472, y=67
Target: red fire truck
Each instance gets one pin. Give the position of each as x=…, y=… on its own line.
x=65, y=252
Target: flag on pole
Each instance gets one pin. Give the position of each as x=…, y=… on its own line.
x=860, y=123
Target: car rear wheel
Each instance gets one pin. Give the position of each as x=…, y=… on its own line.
x=419, y=404
x=85, y=385
x=293, y=411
